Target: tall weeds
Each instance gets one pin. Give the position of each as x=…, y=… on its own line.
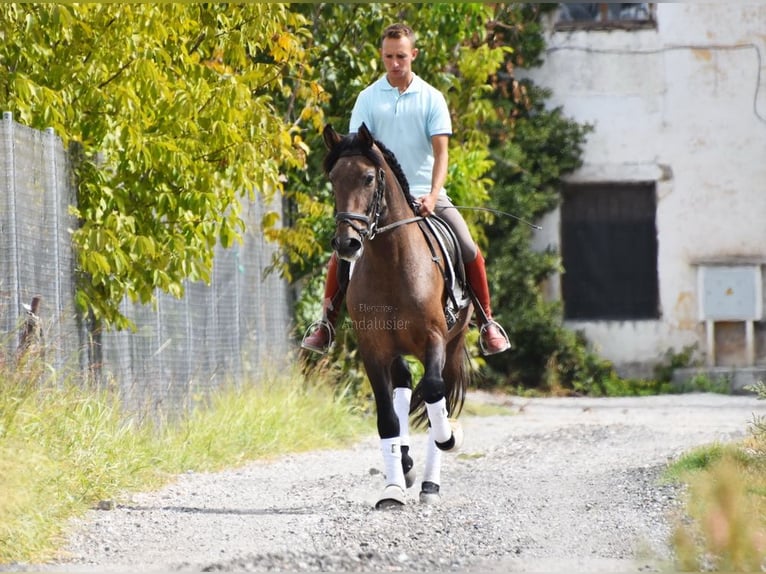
x=725, y=530
x=64, y=446
x=724, y=526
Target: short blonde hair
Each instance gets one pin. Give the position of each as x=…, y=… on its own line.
x=397, y=31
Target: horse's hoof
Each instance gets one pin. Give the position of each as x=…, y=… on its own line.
x=393, y=497
x=454, y=442
x=410, y=477
x=407, y=464
x=429, y=493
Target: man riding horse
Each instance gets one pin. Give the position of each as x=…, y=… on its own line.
x=411, y=118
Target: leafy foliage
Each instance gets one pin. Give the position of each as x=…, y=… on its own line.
x=173, y=124
x=346, y=56
x=509, y=153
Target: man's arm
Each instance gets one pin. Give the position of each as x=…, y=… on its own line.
x=360, y=114
x=440, y=145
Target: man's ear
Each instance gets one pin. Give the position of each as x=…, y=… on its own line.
x=415, y=53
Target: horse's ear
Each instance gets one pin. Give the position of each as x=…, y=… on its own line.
x=364, y=136
x=330, y=136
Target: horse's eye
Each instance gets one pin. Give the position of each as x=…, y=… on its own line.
x=368, y=179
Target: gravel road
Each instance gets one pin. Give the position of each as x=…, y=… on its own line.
x=556, y=485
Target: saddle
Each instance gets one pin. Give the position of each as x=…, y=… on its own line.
x=449, y=258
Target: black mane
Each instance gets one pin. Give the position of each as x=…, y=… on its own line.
x=350, y=145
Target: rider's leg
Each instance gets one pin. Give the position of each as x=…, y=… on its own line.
x=321, y=334
x=492, y=337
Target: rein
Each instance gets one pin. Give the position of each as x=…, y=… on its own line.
x=396, y=224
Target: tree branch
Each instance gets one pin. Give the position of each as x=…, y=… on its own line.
x=117, y=74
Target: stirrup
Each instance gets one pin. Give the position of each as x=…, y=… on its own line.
x=316, y=325
x=484, y=327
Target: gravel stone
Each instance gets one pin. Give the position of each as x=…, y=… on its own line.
x=557, y=485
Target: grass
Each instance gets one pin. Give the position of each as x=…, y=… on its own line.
x=723, y=527
x=65, y=447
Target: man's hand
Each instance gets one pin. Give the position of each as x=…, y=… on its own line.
x=427, y=205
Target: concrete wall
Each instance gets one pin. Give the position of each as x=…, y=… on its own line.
x=683, y=104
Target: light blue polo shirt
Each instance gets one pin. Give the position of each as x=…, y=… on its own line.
x=405, y=123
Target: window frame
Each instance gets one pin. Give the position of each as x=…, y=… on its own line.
x=607, y=24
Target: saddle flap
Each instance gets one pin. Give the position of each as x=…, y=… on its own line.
x=458, y=296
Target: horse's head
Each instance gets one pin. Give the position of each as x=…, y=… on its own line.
x=355, y=168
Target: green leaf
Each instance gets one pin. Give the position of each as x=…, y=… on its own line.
x=173, y=106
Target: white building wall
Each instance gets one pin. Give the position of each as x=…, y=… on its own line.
x=683, y=105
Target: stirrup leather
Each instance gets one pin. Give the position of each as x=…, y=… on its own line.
x=484, y=327
x=320, y=324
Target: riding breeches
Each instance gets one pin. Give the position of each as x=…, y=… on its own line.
x=447, y=211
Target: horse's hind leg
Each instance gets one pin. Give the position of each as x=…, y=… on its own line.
x=440, y=435
x=402, y=380
x=429, y=488
x=436, y=403
x=452, y=372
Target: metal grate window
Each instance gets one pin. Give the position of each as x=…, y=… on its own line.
x=609, y=252
x=605, y=15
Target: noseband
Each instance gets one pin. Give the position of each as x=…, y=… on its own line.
x=371, y=217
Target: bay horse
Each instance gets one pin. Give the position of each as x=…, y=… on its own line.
x=396, y=304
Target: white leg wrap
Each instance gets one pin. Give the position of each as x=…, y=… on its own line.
x=402, y=397
x=392, y=461
x=437, y=416
x=433, y=469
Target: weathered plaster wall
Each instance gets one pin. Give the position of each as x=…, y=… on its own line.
x=680, y=105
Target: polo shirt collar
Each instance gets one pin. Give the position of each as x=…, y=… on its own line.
x=413, y=87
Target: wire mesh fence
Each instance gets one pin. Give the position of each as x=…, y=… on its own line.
x=216, y=333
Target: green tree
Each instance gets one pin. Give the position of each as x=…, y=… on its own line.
x=533, y=146
x=347, y=58
x=509, y=153
x=178, y=111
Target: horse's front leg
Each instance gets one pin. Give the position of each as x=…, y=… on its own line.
x=390, y=441
x=402, y=380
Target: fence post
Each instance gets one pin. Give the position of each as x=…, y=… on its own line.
x=239, y=368
x=52, y=187
x=10, y=175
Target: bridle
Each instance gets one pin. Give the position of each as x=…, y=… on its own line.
x=371, y=217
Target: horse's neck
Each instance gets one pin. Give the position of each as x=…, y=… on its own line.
x=398, y=207
x=398, y=243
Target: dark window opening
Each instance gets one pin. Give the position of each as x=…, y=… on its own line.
x=605, y=15
x=609, y=252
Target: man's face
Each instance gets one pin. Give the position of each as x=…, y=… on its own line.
x=398, y=54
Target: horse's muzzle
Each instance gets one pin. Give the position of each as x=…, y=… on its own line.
x=348, y=247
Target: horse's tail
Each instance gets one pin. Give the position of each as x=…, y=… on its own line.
x=457, y=377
